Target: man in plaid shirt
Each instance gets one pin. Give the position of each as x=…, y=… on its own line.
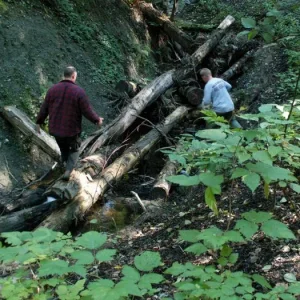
x=66, y=103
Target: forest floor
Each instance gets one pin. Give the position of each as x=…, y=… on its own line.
x=185, y=208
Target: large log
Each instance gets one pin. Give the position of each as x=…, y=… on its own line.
x=152, y=91
x=19, y=120
x=26, y=219
x=198, y=56
x=162, y=187
x=172, y=31
x=237, y=67
x=92, y=191
x=146, y=96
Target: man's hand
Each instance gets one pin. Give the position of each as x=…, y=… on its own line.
x=38, y=128
x=100, y=122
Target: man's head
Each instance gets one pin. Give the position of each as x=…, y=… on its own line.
x=70, y=73
x=205, y=74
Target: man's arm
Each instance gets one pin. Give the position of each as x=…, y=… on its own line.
x=227, y=85
x=87, y=111
x=207, y=95
x=43, y=114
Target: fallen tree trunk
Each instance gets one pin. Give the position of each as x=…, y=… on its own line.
x=152, y=91
x=237, y=67
x=92, y=191
x=162, y=187
x=198, y=56
x=147, y=95
x=194, y=95
x=26, y=219
x=19, y=120
x=172, y=31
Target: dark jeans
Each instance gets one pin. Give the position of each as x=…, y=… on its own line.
x=69, y=148
x=229, y=116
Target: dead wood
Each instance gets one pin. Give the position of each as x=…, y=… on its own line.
x=152, y=91
x=90, y=192
x=26, y=219
x=172, y=31
x=20, y=121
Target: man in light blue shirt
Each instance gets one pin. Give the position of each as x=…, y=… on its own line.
x=216, y=95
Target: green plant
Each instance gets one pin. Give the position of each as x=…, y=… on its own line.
x=46, y=264
x=261, y=155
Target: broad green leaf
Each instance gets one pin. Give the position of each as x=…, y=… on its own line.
x=197, y=249
x=263, y=156
x=125, y=288
x=243, y=156
x=294, y=288
x=44, y=235
x=78, y=269
x=257, y=217
x=212, y=134
x=106, y=254
x=295, y=187
x=210, y=179
x=226, y=251
x=261, y=280
x=276, y=229
x=274, y=150
x=242, y=33
x=252, y=181
x=184, y=180
x=100, y=287
x=178, y=158
x=233, y=236
x=223, y=261
x=147, y=261
x=177, y=269
x=91, y=240
x=233, y=258
x=248, y=22
x=267, y=36
x=131, y=274
x=286, y=296
x=189, y=235
x=248, y=229
x=271, y=172
x=53, y=267
x=210, y=200
x=83, y=257
x=273, y=13
x=148, y=279
x=239, y=172
x=252, y=34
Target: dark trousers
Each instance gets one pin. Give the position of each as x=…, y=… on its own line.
x=229, y=116
x=69, y=149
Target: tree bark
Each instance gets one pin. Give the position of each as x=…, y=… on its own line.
x=162, y=187
x=145, y=97
x=172, y=31
x=190, y=69
x=26, y=219
x=152, y=91
x=90, y=192
x=20, y=121
x=194, y=95
x=237, y=67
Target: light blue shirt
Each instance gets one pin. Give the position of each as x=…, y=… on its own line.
x=216, y=94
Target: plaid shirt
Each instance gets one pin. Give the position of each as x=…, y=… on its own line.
x=65, y=103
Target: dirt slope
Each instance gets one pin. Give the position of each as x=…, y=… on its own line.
x=38, y=40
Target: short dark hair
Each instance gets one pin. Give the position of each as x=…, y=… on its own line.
x=69, y=71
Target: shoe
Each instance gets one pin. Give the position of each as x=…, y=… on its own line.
x=66, y=175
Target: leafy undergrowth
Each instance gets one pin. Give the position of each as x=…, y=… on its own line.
x=223, y=249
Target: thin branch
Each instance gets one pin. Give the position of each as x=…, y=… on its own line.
x=293, y=103
x=139, y=200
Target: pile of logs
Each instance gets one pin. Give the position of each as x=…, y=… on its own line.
x=96, y=173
